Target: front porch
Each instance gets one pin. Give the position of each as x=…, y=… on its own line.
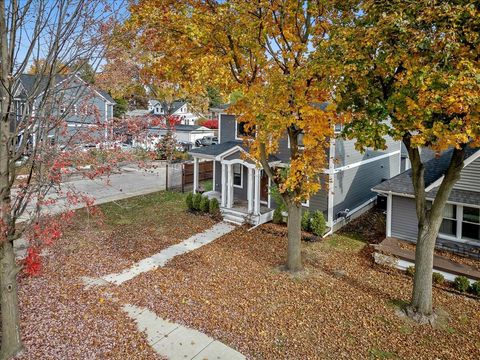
x=242, y=188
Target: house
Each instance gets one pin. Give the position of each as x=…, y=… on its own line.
x=181, y=109
x=460, y=229
x=83, y=107
x=243, y=188
x=188, y=133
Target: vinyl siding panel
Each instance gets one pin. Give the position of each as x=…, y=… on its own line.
x=227, y=128
x=404, y=218
x=352, y=187
x=470, y=177
x=218, y=176
x=346, y=154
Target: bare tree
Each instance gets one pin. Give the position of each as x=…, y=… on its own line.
x=32, y=118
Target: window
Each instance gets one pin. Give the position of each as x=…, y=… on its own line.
x=338, y=128
x=471, y=223
x=299, y=140
x=449, y=223
x=242, y=130
x=237, y=175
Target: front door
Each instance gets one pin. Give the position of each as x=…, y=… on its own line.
x=264, y=187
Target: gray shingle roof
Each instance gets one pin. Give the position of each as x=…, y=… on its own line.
x=434, y=169
x=214, y=150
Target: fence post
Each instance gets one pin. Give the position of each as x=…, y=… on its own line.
x=183, y=177
x=166, y=176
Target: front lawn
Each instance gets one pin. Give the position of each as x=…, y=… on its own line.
x=62, y=320
x=342, y=306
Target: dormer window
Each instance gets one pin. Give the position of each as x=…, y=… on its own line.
x=338, y=128
x=299, y=140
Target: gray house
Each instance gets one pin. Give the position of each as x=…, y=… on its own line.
x=83, y=107
x=244, y=189
x=460, y=229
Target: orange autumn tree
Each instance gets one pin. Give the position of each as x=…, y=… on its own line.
x=412, y=70
x=266, y=51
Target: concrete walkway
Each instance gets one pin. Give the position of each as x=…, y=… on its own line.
x=161, y=258
x=177, y=342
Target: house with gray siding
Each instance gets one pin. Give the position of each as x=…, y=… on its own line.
x=83, y=107
x=243, y=188
x=460, y=229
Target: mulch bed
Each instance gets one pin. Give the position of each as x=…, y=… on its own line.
x=370, y=226
x=339, y=307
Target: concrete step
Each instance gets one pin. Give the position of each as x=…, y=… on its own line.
x=239, y=220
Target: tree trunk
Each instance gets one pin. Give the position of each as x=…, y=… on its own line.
x=11, y=342
x=294, y=257
x=421, y=303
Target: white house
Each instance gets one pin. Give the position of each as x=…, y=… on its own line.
x=177, y=108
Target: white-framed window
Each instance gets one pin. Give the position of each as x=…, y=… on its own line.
x=461, y=223
x=449, y=223
x=241, y=130
x=238, y=175
x=306, y=203
x=471, y=223
x=338, y=128
x=299, y=140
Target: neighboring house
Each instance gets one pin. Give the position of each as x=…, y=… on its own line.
x=82, y=106
x=188, y=133
x=244, y=189
x=460, y=230
x=181, y=109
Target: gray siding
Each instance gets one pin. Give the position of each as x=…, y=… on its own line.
x=218, y=176
x=227, y=128
x=404, y=227
x=470, y=177
x=404, y=218
x=352, y=187
x=346, y=154
x=241, y=193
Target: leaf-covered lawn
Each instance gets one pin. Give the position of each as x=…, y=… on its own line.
x=342, y=306
x=59, y=318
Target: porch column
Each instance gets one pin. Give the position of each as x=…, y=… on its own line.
x=250, y=190
x=195, y=174
x=256, y=210
x=389, y=215
x=230, y=186
x=224, y=185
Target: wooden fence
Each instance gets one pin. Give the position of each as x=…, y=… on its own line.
x=205, y=172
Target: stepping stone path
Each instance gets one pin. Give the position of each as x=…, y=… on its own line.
x=177, y=342
x=160, y=259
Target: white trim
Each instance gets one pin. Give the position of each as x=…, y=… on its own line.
x=214, y=173
x=363, y=162
x=331, y=184
x=224, y=186
x=219, y=128
x=241, y=176
x=389, y=215
x=269, y=202
x=466, y=162
x=250, y=190
x=410, y=196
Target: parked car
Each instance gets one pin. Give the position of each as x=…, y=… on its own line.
x=206, y=141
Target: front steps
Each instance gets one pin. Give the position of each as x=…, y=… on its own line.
x=239, y=218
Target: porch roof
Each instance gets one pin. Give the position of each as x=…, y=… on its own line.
x=213, y=151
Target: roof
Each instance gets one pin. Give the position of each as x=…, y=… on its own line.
x=177, y=104
x=434, y=169
x=215, y=150
x=138, y=112
x=31, y=82
x=187, y=128
x=33, y=85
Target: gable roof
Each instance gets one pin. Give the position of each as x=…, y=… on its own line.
x=435, y=168
x=177, y=104
x=38, y=83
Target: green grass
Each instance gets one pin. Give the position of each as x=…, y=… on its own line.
x=381, y=354
x=343, y=243
x=207, y=185
x=139, y=208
